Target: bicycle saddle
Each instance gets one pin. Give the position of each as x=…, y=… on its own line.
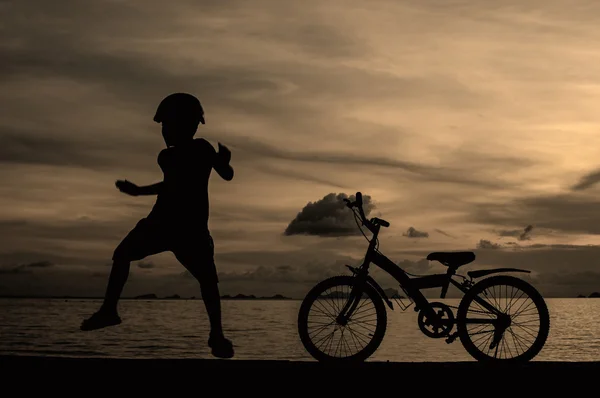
x=452, y=259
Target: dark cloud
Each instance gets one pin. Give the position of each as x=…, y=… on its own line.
x=145, y=264
x=66, y=242
x=83, y=229
x=274, y=274
x=524, y=234
x=73, y=281
x=24, y=268
x=486, y=244
x=419, y=172
x=14, y=258
x=587, y=181
x=309, y=273
x=413, y=233
x=271, y=170
x=12, y=270
x=567, y=213
x=40, y=264
x=444, y=233
x=43, y=147
x=328, y=216
x=585, y=282
x=419, y=267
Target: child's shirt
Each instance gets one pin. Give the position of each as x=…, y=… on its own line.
x=184, y=195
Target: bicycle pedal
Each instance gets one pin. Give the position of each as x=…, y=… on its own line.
x=450, y=339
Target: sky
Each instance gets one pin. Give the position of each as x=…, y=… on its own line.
x=468, y=125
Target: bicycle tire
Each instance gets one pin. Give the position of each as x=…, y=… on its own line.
x=312, y=296
x=536, y=297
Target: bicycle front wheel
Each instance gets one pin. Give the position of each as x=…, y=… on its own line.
x=328, y=341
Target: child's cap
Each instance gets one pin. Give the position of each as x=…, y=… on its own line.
x=179, y=106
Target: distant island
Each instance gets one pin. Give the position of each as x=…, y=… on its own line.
x=153, y=296
x=390, y=293
x=253, y=297
x=593, y=295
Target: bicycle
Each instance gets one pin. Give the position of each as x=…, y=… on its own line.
x=435, y=319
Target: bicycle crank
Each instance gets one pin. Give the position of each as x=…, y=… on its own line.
x=444, y=325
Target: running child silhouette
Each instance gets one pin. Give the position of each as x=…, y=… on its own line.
x=178, y=222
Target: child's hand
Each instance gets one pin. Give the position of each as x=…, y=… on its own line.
x=224, y=153
x=127, y=187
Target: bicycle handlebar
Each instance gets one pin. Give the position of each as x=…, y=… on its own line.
x=370, y=224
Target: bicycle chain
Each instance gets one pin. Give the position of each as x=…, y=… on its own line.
x=477, y=311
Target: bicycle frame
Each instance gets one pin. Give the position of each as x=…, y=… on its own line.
x=412, y=286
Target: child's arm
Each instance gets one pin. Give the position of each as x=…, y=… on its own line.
x=153, y=189
x=133, y=190
x=222, y=165
x=224, y=170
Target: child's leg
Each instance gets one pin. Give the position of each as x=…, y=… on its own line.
x=209, y=286
x=199, y=261
x=116, y=282
x=204, y=272
x=212, y=302
x=140, y=242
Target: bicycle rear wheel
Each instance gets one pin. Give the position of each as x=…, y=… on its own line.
x=321, y=334
x=517, y=300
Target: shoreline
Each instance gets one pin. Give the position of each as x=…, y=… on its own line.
x=32, y=360
x=263, y=375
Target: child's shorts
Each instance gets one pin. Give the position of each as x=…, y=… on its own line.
x=192, y=246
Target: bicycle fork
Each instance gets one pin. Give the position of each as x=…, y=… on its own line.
x=353, y=300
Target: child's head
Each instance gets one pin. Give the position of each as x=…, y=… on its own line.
x=180, y=115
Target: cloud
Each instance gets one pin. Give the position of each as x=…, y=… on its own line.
x=524, y=234
x=25, y=268
x=419, y=267
x=145, y=264
x=328, y=216
x=66, y=241
x=444, y=233
x=448, y=174
x=585, y=282
x=22, y=147
x=40, y=264
x=305, y=275
x=296, y=175
x=587, y=181
x=566, y=213
x=413, y=233
x=486, y=244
